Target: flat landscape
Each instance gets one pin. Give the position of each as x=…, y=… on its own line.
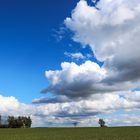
x=112, y=133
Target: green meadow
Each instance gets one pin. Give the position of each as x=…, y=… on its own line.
x=112, y=133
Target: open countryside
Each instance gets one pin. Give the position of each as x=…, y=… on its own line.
x=114, y=133
x=69, y=69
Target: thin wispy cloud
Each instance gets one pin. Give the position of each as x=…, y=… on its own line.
x=76, y=56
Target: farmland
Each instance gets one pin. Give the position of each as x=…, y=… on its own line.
x=116, y=133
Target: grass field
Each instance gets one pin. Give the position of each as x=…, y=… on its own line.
x=118, y=133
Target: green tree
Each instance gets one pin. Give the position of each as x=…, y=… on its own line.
x=101, y=122
x=11, y=121
x=19, y=122
x=29, y=122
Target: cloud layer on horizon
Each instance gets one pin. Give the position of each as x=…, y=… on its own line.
x=85, y=111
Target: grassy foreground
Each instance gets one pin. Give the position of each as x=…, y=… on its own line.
x=120, y=133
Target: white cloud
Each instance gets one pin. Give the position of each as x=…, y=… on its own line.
x=81, y=81
x=85, y=111
x=11, y=106
x=76, y=56
x=108, y=30
x=77, y=80
x=130, y=119
x=112, y=31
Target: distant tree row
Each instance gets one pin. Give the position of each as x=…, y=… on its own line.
x=17, y=122
x=101, y=123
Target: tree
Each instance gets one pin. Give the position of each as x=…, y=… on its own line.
x=75, y=124
x=29, y=122
x=101, y=122
x=19, y=122
x=0, y=119
x=11, y=121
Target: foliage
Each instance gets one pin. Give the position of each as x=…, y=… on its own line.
x=101, y=122
x=17, y=122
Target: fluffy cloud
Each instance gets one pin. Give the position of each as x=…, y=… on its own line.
x=98, y=103
x=126, y=119
x=105, y=29
x=113, y=35
x=76, y=81
x=85, y=111
x=11, y=106
x=112, y=31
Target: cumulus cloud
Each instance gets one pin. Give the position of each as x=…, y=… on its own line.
x=11, y=106
x=112, y=31
x=126, y=119
x=93, y=106
x=87, y=111
x=81, y=81
x=76, y=81
x=103, y=29
x=84, y=111
x=113, y=35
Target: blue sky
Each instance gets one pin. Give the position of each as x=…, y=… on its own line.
x=27, y=45
x=74, y=52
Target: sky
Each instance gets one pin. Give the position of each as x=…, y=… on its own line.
x=70, y=61
x=27, y=44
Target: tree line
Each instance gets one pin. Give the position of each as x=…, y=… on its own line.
x=101, y=122
x=16, y=122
